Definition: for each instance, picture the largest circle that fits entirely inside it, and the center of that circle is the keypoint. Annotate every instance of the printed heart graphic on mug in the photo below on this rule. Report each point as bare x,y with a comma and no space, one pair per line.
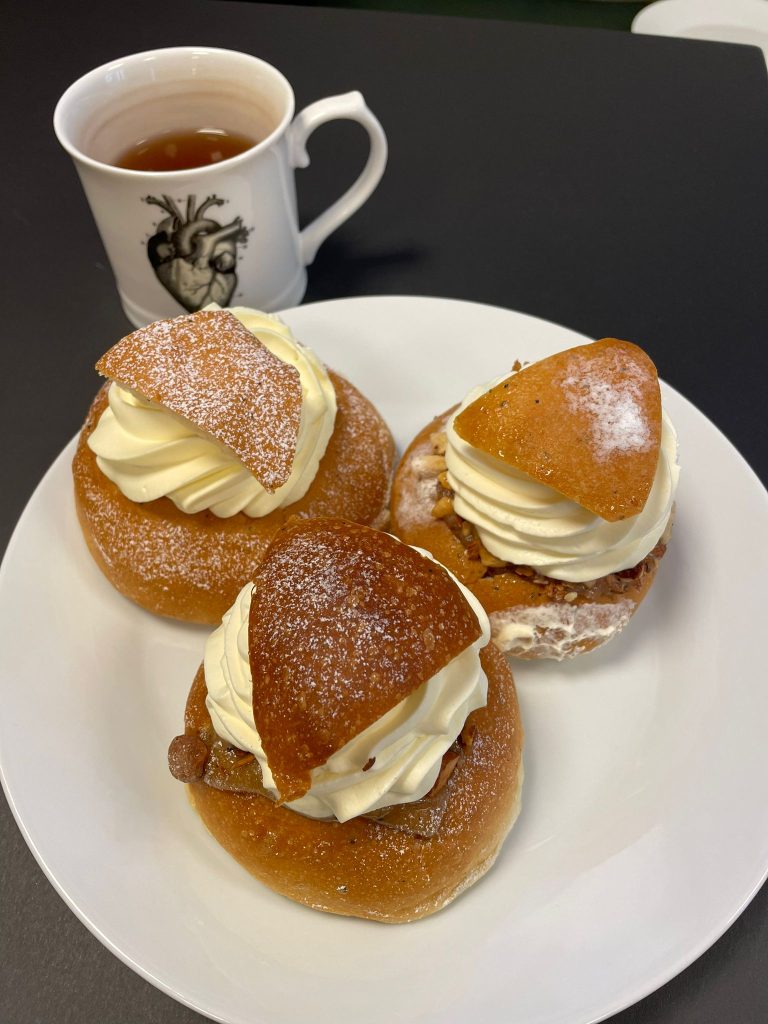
193,256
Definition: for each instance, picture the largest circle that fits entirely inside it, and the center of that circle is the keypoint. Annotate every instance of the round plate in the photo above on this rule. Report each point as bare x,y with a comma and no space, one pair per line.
724,21
643,832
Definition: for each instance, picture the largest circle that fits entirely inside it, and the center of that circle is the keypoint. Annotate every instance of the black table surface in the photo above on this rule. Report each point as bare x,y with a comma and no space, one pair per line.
612,183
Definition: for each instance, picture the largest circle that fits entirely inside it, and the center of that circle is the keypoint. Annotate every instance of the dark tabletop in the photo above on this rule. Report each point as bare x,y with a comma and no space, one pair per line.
613,183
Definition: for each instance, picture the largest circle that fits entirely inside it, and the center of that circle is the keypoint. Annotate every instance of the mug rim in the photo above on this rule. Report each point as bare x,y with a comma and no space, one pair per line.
77,154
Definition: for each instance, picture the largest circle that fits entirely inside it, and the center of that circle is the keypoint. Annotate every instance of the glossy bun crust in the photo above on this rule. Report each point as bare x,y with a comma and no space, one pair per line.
191,567
364,869
529,620
345,622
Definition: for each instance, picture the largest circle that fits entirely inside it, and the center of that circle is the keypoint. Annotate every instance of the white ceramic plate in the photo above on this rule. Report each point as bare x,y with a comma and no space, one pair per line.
643,832
724,21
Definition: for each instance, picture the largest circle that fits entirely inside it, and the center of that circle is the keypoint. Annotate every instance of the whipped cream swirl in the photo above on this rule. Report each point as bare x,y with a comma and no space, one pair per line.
150,452
528,523
408,742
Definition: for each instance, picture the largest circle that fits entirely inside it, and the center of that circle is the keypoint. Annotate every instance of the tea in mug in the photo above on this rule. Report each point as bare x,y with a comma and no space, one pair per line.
184,149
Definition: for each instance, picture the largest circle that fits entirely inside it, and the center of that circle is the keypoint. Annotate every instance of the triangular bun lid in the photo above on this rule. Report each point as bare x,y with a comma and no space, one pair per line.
211,370
586,422
345,623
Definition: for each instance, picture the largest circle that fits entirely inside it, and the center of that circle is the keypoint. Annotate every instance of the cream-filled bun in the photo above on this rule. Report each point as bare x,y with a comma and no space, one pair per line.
549,493
352,738
212,431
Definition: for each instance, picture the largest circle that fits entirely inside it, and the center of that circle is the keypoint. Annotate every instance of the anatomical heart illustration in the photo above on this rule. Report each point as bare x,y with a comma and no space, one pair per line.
193,256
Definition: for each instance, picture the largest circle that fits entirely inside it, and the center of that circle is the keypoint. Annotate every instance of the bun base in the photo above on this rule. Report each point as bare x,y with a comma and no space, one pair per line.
191,567
360,868
527,621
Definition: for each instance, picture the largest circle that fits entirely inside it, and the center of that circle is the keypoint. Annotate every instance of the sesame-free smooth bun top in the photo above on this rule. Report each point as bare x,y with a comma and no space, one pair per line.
345,623
569,466
393,762
217,410
585,422
208,368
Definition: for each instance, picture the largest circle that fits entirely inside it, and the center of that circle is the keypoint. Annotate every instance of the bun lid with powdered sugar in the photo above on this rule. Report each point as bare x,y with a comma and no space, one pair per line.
586,422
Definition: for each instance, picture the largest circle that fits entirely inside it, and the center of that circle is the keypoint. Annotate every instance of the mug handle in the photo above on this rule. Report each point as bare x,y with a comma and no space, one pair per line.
349,106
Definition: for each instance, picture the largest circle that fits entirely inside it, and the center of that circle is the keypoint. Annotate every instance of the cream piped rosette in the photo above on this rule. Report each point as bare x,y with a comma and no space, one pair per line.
150,451
394,760
524,522
606,408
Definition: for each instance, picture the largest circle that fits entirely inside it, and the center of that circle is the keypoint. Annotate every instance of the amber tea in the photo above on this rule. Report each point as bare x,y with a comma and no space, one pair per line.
184,149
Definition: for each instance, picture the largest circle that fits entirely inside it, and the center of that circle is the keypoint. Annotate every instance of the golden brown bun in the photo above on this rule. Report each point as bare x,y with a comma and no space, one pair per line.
191,567
528,620
363,869
325,595
542,420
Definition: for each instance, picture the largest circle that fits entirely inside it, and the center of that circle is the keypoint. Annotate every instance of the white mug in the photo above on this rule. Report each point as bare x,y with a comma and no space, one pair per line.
227,232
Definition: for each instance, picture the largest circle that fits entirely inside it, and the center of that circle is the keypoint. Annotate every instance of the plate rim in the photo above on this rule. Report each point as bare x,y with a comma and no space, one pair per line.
673,968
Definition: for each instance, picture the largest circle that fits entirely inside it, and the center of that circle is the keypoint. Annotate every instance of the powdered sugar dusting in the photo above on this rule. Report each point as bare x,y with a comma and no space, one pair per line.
556,630
418,490
609,391
344,624
209,369
192,566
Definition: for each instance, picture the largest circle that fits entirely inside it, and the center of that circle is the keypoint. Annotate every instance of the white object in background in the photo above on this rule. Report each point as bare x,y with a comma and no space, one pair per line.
723,21
227,232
